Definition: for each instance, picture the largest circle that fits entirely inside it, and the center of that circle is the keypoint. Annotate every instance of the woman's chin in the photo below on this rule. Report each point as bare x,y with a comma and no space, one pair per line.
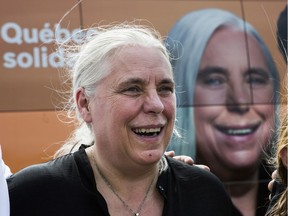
242,160
152,156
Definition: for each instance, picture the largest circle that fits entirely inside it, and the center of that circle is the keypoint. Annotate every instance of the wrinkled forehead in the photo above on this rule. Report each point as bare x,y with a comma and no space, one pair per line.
142,58
137,62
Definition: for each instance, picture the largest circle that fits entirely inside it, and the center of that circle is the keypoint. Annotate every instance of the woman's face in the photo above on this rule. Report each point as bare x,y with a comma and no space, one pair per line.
133,112
234,114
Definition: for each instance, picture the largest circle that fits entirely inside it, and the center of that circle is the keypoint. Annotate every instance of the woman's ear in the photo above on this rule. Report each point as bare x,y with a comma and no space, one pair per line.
283,155
83,105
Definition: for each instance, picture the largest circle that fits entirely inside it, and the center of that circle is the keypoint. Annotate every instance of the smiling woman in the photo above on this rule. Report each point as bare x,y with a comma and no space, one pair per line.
227,87
123,93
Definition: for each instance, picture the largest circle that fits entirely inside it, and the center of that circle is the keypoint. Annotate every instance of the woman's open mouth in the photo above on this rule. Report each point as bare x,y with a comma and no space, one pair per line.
243,131
149,132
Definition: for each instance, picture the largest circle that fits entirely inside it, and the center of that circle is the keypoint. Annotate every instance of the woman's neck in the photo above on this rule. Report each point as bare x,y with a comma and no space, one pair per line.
243,193
244,197
241,185
127,194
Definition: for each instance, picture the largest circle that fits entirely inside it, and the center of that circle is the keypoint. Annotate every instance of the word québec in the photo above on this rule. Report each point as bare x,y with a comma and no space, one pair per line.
37,55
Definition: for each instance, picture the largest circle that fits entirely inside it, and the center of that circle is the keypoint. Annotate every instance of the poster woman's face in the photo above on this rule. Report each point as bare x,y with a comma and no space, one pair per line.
234,114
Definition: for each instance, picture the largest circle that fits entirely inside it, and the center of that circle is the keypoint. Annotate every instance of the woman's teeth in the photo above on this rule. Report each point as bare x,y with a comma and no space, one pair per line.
147,131
238,132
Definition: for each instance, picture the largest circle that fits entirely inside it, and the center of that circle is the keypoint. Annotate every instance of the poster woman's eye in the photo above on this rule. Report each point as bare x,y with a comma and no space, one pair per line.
258,78
212,80
212,77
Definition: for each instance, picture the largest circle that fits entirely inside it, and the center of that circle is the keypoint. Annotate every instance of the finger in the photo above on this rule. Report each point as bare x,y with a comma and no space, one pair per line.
270,185
185,159
202,167
270,197
170,153
274,174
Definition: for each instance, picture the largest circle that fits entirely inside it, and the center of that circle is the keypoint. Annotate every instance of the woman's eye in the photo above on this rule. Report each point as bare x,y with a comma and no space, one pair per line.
212,77
258,77
133,90
213,81
257,80
166,90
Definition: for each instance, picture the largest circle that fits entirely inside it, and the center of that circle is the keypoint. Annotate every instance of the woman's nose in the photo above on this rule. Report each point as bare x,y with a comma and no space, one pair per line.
153,103
239,99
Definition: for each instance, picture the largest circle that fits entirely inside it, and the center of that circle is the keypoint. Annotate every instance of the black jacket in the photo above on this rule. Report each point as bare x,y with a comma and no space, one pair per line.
66,187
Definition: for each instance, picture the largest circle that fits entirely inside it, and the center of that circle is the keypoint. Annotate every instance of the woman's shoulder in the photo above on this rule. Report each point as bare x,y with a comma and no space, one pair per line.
191,172
194,179
200,188
55,183
43,172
